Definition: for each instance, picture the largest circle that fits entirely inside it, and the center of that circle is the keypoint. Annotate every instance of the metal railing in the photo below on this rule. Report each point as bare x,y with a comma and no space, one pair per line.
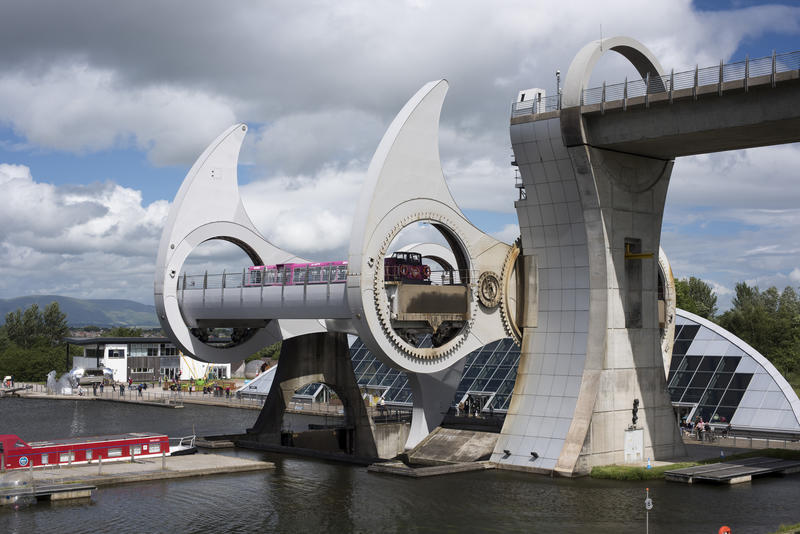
236,280
717,75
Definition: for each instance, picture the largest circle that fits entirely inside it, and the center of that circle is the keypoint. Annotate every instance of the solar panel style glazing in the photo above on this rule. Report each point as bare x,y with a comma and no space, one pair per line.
722,383
717,379
489,372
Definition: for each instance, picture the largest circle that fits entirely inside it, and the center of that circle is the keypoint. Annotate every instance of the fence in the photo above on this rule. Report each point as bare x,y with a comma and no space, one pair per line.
717,75
157,396
236,280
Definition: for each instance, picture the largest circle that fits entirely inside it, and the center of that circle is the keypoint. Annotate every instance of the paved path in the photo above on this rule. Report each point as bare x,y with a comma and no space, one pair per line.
146,470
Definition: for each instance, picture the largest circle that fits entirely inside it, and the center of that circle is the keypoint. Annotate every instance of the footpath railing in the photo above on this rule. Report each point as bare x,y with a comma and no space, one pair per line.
155,395
717,75
235,280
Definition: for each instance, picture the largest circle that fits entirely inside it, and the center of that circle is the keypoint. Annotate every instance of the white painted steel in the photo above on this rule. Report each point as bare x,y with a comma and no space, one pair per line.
405,184
208,206
580,70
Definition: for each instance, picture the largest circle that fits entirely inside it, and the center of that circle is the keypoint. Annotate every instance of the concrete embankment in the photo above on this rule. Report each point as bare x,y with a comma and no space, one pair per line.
149,469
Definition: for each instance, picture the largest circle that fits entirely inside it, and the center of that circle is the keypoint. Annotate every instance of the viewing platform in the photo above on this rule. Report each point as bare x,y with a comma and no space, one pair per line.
734,472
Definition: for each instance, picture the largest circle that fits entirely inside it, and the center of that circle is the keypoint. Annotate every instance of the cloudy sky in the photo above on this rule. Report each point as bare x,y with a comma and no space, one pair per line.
104,107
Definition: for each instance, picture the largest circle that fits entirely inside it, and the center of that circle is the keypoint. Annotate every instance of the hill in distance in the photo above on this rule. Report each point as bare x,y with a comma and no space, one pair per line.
83,312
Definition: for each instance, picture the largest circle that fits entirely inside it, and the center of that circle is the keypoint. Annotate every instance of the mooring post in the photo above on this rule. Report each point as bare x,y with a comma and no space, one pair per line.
99,465
163,461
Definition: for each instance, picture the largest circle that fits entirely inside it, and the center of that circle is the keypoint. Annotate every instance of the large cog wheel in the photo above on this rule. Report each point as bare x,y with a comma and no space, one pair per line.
506,313
382,306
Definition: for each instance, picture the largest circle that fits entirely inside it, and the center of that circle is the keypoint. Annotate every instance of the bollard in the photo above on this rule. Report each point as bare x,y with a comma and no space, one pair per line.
163,461
99,465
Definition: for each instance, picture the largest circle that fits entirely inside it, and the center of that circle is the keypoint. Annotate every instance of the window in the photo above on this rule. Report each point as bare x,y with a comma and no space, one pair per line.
341,273
155,447
314,274
136,450
66,457
255,277
632,302
114,453
168,350
116,353
45,459
89,454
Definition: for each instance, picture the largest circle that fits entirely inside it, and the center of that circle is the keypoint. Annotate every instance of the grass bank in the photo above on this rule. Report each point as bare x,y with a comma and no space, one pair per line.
629,472
788,529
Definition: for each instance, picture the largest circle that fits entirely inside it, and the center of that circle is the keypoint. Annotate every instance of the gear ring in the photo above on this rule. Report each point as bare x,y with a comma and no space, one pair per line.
489,292
381,305
509,324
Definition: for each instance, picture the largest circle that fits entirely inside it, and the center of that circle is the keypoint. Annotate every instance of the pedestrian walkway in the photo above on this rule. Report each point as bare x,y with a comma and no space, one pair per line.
151,396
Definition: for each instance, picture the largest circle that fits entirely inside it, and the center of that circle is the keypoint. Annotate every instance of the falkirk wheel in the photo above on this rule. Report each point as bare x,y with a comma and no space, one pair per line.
562,291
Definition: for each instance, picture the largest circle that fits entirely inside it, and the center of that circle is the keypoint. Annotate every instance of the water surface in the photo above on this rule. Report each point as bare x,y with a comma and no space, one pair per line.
304,495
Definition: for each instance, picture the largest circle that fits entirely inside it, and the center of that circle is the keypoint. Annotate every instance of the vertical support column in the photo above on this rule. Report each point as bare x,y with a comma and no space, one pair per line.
596,344
324,358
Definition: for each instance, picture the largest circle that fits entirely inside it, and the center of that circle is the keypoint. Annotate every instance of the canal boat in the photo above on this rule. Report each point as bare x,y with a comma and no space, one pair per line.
18,454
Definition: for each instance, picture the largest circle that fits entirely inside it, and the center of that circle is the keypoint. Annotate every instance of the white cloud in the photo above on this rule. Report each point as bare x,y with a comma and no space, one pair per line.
508,234
319,87
78,108
80,240
305,215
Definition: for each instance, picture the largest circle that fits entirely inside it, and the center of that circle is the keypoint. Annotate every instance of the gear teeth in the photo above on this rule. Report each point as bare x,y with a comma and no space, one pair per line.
381,305
508,269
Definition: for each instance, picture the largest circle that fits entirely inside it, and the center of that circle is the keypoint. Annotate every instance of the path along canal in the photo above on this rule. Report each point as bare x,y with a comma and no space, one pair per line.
304,495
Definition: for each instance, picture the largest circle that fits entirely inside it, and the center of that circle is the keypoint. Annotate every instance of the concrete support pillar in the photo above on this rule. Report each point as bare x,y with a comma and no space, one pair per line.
432,395
590,227
323,358
589,224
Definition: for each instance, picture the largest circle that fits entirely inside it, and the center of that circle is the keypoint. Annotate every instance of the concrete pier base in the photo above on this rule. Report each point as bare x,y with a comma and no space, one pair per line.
323,358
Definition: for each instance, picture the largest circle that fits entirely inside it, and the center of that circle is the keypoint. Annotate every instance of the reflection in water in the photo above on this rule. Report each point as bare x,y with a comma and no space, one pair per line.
78,426
303,495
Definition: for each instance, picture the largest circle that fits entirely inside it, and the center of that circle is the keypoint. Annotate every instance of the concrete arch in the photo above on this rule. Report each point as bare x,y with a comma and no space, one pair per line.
580,70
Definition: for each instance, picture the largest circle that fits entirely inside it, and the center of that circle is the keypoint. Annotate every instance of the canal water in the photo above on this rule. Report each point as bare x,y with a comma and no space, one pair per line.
304,495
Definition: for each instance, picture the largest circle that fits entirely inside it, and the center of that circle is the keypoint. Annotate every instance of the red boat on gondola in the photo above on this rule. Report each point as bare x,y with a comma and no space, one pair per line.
17,454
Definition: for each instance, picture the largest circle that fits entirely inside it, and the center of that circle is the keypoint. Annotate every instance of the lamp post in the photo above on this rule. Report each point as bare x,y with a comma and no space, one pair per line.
558,87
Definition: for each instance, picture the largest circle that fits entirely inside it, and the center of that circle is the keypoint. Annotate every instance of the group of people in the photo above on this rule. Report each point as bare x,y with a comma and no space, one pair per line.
471,407
702,430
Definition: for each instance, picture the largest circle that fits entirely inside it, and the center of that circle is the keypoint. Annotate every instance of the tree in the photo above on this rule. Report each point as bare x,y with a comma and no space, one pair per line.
31,327
769,321
696,296
124,331
54,324
273,352
14,326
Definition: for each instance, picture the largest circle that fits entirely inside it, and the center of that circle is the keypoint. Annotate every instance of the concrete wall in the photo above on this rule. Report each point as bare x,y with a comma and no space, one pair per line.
596,344
390,438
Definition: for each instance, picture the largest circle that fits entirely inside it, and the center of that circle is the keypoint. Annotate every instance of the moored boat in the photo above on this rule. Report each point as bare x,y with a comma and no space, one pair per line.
18,454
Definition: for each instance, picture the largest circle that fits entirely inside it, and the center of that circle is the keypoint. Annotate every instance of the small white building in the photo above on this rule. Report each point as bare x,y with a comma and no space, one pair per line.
144,359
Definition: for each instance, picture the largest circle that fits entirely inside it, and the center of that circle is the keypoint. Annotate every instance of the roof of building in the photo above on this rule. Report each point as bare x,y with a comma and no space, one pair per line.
114,340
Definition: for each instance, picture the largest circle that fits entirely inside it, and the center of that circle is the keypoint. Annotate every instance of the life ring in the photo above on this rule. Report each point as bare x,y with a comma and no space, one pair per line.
426,271
415,272
404,271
